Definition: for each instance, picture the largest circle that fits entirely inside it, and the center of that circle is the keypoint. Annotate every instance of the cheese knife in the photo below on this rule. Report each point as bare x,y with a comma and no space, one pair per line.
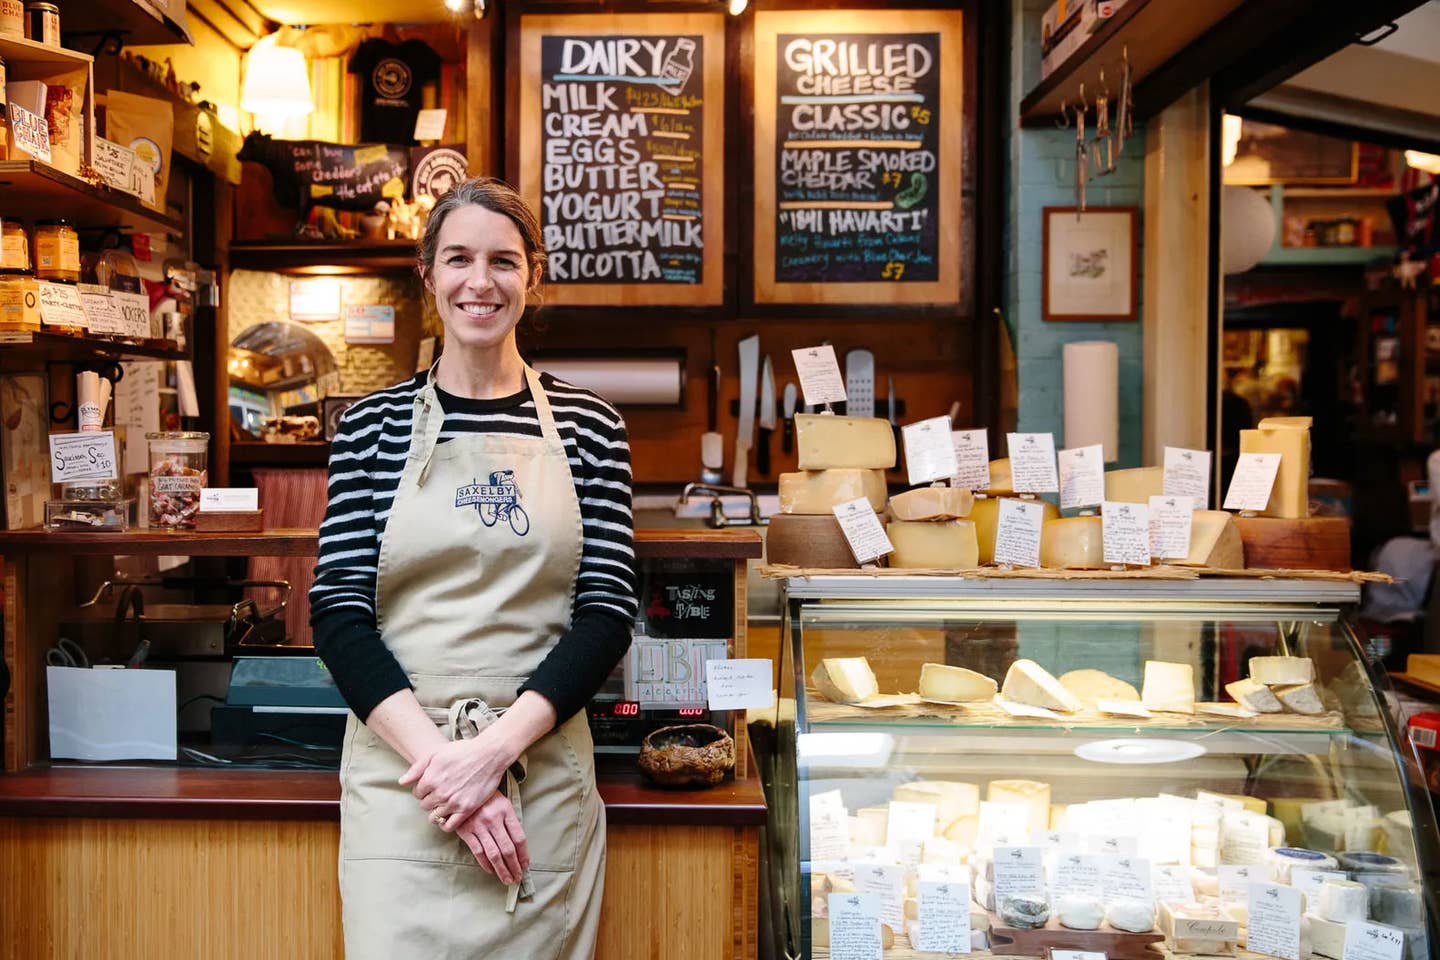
767,417
745,435
787,407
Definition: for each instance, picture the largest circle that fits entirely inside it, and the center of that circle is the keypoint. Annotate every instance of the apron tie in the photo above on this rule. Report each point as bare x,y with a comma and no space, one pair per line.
466,719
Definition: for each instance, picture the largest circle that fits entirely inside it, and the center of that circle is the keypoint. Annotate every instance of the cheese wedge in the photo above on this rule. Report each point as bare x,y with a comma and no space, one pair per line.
1028,682
1289,437
1123,708
939,681
820,491
816,542
1301,698
1233,710
1072,543
1282,671
1001,484
985,514
1169,687
1254,695
1134,486
930,503
953,799
1033,795
824,442
845,679
963,830
940,850
937,544
1214,542
870,826
1095,685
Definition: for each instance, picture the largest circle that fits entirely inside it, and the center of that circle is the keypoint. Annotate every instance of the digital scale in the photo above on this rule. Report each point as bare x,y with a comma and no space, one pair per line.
659,683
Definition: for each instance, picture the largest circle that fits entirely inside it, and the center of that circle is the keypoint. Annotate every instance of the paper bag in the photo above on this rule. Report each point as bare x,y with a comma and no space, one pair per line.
147,126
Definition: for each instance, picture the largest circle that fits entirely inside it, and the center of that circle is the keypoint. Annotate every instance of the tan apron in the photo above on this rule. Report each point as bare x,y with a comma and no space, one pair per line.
477,570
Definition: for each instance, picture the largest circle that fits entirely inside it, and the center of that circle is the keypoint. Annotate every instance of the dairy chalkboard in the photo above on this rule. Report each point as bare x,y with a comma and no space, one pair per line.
857,138
622,143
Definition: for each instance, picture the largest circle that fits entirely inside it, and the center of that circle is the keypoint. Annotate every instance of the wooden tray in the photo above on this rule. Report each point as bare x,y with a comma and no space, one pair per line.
1115,944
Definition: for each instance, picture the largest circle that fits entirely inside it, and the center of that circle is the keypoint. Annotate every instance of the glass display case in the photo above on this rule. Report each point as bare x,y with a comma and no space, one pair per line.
1118,763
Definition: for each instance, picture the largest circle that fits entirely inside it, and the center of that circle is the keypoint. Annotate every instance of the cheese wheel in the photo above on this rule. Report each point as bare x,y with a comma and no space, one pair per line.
932,503
985,514
1342,901
820,491
1093,686
938,544
824,441
1072,543
1137,485
808,541
1001,484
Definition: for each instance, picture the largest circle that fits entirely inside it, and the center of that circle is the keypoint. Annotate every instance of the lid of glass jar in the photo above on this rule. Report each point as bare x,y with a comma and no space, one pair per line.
178,435
54,222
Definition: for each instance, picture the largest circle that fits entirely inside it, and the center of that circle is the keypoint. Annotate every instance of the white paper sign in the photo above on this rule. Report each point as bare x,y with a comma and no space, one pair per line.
829,827
114,163
223,499
929,450
1244,837
30,132
972,459
862,530
1235,880
111,714
819,373
1017,532
61,306
1308,881
1274,925
1171,520
102,313
1077,955
430,125
886,881
1032,462
944,917
369,323
908,826
1253,479
1187,474
1172,882
1001,824
1113,844
738,684
134,312
1019,872
1078,874
1125,529
1127,877
1082,476
854,926
82,456
1373,941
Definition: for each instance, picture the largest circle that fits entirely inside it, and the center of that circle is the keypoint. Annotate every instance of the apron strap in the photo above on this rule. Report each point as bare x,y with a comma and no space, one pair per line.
542,405
426,420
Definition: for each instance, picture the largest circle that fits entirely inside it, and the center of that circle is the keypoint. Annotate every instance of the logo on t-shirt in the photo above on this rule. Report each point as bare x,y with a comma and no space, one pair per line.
391,78
495,501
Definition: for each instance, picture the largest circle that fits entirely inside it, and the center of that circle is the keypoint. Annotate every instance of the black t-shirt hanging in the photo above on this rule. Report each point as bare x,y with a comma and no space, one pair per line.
392,76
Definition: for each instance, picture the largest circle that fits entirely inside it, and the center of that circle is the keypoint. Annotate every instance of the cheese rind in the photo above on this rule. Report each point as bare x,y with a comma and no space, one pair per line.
1028,682
845,679
1001,483
985,514
1301,698
1255,695
1073,543
1169,687
1033,795
1215,542
1282,671
824,442
820,491
940,681
939,544
932,503
1290,496
808,541
1095,685
1136,485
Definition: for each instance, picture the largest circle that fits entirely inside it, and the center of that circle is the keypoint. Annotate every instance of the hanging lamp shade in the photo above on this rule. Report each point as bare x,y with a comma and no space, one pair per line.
277,80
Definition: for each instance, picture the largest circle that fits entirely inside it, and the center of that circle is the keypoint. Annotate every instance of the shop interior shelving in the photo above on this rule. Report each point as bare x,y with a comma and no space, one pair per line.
152,542
23,351
35,190
324,258
133,21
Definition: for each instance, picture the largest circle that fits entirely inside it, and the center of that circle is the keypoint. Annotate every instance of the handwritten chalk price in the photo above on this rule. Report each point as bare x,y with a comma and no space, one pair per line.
819,372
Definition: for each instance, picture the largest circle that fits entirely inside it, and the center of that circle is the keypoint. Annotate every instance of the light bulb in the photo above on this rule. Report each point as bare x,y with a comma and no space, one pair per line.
455,6
737,7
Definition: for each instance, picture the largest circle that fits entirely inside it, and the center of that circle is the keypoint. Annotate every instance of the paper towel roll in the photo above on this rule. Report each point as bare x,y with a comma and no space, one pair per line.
1092,396
622,381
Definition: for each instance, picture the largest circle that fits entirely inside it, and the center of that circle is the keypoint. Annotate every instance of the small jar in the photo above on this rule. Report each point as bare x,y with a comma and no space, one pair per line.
57,251
177,475
42,23
12,19
14,245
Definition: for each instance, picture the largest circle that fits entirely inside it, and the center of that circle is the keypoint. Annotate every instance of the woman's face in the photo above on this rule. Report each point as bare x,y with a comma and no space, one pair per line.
480,277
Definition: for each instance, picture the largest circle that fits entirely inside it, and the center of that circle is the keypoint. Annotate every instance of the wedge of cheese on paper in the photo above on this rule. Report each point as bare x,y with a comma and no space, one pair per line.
939,681
1092,686
1073,543
824,442
1214,542
845,679
1301,698
1169,687
1028,682
1254,695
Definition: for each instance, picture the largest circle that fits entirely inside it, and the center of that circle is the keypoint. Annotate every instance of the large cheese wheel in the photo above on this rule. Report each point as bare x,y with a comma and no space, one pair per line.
985,514
824,441
937,544
1073,543
1136,485
932,503
808,541
1001,483
818,492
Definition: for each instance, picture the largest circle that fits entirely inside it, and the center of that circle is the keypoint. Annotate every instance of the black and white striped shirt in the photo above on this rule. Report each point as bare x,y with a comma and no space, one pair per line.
367,458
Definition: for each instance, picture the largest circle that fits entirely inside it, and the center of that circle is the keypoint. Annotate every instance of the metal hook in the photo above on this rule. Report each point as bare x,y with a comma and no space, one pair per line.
1083,105
1064,121
1104,87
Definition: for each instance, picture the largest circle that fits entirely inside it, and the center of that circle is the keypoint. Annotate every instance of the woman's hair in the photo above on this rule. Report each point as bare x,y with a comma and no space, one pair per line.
496,196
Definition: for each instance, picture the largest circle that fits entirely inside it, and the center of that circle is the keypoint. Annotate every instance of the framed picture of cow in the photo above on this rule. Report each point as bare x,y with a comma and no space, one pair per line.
1089,267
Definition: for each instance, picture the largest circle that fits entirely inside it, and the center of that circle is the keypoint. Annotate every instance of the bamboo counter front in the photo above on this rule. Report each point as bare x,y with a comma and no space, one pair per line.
119,861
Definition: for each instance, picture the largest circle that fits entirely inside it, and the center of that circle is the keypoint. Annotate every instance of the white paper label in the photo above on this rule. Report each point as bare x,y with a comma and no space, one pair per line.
30,132
114,163
1127,878
369,323
1077,955
1001,824
1373,941
1187,474
1082,476
1019,872
101,311
1172,882
1308,881
134,313
1078,874
862,530
1032,462
1125,529
1113,844
315,299
1171,520
854,926
908,827
1017,532
61,306
430,125
829,827
929,450
221,499
819,373
887,883
1244,837
1274,924
738,684
1235,881
944,918
1253,480
972,459
82,456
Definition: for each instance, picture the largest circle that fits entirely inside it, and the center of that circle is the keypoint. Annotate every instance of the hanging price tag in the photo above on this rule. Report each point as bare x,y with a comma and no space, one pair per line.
1187,474
972,459
1253,479
819,373
929,450
1082,477
862,530
1032,462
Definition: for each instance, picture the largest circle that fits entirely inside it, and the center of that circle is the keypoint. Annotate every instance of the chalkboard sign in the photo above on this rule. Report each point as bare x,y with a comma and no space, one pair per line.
311,172
857,158
620,147
687,602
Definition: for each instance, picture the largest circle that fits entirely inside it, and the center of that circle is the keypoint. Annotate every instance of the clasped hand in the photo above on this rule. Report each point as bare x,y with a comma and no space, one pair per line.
456,785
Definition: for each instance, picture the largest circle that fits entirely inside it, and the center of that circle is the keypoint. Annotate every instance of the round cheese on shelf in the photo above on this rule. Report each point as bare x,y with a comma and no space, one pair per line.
1072,543
1092,686
818,492
1027,913
816,542
1343,900
1080,912
1281,860
937,544
1136,485
1132,916
932,503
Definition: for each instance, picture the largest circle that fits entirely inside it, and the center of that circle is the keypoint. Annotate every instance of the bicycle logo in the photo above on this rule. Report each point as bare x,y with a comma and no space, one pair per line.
496,501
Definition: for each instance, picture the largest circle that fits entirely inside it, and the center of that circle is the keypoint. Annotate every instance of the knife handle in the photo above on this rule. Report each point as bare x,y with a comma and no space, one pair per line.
762,452
712,400
787,436
742,463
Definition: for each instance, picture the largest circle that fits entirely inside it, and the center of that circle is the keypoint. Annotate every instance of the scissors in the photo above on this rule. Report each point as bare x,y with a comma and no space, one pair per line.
66,653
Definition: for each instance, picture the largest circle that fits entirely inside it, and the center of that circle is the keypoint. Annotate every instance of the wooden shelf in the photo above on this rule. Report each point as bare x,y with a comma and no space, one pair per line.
301,454
1338,193
30,350
742,543
17,51
35,191
134,21
1325,256
324,258
149,543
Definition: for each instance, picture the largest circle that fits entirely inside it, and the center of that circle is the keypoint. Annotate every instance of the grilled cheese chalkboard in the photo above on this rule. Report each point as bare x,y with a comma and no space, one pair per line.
625,143
339,175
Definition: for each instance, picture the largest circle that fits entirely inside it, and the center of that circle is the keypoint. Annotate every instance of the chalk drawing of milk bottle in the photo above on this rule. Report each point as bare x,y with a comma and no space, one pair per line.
678,65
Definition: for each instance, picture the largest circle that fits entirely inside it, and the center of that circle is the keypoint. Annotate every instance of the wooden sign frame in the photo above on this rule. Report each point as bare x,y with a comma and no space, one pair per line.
711,173
769,25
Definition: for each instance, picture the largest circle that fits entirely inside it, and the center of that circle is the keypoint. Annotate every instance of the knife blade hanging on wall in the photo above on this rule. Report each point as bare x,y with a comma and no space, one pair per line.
745,436
767,417
859,383
712,444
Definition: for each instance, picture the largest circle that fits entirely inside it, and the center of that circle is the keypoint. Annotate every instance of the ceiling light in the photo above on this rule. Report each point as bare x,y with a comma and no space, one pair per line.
1428,162
277,80
1230,137
737,7
455,6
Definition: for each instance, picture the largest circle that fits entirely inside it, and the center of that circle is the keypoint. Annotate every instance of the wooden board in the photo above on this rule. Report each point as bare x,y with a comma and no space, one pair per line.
1313,543
1115,944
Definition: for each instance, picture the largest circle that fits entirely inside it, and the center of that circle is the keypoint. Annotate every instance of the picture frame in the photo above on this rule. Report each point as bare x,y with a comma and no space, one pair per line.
1090,264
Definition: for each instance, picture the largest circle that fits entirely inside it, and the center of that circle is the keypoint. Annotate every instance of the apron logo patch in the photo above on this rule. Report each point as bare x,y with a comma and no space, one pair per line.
495,501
